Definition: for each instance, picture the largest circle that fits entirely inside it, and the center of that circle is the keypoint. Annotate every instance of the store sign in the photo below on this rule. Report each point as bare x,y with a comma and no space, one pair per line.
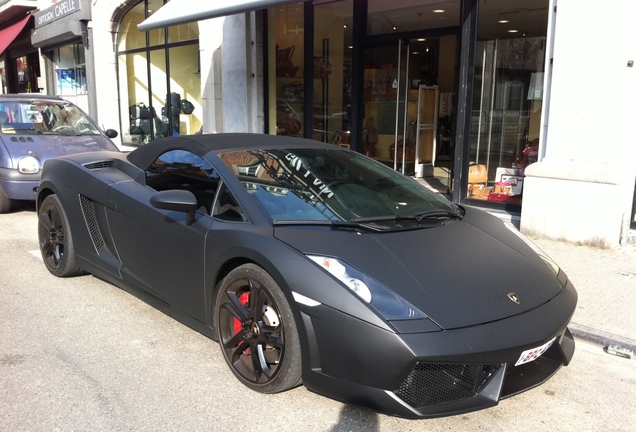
58,10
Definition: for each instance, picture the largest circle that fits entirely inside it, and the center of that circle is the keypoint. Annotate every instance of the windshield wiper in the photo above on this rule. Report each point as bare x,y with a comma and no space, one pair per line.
436,214
366,224
433,214
378,223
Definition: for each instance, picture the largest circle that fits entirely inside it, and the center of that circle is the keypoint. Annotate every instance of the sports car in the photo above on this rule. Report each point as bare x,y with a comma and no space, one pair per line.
313,264
33,128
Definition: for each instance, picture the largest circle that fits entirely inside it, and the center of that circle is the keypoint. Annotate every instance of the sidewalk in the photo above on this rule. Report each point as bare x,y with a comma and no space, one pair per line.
605,280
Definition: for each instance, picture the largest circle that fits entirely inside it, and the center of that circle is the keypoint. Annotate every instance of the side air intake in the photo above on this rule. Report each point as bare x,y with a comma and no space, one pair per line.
100,165
88,210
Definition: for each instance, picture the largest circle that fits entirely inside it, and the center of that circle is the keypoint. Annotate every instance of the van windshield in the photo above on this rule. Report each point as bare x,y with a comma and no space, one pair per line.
45,117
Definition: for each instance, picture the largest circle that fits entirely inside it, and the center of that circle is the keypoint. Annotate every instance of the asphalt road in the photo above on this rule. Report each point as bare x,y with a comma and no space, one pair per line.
80,354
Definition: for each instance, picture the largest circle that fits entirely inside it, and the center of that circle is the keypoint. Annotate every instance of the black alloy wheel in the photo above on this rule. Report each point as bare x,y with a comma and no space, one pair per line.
56,242
257,331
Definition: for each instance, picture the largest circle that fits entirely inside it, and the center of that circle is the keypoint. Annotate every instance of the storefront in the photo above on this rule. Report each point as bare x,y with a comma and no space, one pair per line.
383,79
457,92
159,77
62,35
19,60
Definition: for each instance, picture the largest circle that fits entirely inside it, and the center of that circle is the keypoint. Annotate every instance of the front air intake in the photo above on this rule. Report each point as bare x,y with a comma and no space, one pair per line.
434,383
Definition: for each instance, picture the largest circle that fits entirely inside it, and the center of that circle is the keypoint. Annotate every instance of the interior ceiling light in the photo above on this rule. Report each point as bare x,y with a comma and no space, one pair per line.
439,11
513,31
503,21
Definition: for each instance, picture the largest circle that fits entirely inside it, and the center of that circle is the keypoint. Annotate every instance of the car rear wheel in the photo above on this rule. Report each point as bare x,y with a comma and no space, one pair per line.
5,202
257,331
56,241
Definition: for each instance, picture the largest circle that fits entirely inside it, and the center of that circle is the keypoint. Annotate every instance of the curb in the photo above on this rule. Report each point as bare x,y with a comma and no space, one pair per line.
601,337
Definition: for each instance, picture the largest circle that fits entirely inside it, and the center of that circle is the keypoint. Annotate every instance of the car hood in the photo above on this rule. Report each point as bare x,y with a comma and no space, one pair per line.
459,274
45,147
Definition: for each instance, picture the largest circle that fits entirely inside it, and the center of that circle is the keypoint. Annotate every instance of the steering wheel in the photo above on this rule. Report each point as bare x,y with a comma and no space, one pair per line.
63,128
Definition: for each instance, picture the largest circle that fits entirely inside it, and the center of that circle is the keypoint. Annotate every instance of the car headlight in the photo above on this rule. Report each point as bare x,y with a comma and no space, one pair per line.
28,165
560,275
390,305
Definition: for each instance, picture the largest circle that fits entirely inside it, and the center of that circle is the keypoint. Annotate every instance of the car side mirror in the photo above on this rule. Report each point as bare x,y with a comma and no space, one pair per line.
176,200
111,133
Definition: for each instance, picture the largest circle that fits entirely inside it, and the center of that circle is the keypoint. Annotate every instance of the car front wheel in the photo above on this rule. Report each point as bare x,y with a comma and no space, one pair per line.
257,331
5,202
56,241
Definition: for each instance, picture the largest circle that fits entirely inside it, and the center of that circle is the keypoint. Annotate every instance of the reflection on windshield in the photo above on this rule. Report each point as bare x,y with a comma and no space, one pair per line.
330,185
45,117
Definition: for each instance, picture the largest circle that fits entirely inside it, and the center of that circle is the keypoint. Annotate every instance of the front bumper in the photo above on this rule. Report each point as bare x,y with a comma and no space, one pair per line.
434,374
432,389
19,186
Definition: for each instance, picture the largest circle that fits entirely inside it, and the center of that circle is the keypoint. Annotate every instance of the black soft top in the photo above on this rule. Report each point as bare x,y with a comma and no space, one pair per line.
203,144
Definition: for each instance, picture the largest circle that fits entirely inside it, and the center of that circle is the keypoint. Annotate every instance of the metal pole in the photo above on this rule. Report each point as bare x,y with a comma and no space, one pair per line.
406,105
397,105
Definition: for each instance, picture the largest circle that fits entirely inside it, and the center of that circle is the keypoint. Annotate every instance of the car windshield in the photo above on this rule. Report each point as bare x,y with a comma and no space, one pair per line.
338,186
44,117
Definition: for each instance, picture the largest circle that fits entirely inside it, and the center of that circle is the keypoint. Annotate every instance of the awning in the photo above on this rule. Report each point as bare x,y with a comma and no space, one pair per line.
184,11
8,34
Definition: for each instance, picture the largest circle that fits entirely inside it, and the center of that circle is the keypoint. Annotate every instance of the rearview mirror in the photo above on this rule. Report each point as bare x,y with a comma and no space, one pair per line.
176,200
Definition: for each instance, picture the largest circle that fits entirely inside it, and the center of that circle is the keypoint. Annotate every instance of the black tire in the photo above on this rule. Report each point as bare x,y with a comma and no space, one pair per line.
253,316
5,203
56,240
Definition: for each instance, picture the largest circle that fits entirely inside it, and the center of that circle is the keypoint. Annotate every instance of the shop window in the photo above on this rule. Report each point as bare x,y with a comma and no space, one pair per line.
287,74
129,37
332,72
20,74
159,78
24,72
70,71
399,16
3,78
328,81
507,102
183,32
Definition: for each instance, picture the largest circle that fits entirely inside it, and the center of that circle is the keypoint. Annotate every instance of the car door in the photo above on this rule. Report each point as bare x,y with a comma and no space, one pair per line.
159,251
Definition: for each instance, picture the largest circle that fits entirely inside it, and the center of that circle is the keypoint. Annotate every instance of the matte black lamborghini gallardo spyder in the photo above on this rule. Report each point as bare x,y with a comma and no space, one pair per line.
313,264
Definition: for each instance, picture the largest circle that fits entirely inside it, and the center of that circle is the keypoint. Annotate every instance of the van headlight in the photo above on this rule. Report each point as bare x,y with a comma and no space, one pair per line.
28,165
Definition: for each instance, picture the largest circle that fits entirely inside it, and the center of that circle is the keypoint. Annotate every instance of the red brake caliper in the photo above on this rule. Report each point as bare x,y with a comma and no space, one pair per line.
244,298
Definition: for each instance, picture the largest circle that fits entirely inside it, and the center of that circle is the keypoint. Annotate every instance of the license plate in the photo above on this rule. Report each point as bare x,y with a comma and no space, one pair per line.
534,353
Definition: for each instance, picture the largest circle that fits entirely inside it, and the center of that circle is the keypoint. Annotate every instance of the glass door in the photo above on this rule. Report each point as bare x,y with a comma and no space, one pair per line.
400,106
